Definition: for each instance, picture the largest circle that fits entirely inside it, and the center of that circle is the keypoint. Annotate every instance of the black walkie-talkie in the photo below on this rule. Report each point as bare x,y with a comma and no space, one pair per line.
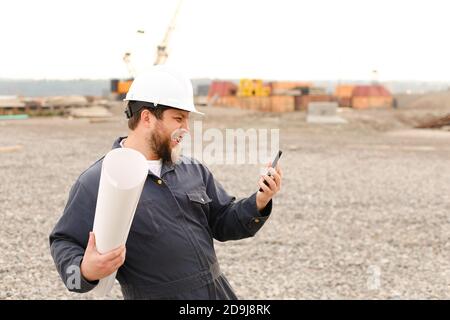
274,164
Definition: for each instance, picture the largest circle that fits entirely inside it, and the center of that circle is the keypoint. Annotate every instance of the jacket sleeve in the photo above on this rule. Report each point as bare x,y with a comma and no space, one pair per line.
230,219
69,238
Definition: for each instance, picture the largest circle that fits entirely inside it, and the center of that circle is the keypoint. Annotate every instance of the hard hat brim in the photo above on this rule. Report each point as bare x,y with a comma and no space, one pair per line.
149,104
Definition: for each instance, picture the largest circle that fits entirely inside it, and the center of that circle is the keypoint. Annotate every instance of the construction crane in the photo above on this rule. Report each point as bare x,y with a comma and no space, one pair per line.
120,87
161,52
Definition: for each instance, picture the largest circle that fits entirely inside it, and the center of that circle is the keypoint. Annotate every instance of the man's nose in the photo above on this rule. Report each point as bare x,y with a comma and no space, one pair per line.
186,125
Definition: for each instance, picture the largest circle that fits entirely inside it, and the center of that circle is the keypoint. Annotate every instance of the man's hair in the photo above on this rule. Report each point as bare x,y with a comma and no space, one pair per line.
139,106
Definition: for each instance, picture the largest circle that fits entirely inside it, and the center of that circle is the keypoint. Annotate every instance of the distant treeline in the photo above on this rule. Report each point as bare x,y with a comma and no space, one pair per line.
36,88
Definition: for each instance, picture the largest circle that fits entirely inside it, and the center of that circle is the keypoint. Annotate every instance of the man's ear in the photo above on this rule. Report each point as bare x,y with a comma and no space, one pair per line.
147,118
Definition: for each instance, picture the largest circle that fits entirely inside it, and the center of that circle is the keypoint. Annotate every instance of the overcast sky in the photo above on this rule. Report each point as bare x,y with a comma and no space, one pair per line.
270,39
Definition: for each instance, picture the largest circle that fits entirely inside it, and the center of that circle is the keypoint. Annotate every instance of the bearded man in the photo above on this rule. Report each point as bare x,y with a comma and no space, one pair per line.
169,253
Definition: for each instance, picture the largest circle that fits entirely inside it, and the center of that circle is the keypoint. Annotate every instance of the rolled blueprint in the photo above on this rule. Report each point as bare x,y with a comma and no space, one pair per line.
122,179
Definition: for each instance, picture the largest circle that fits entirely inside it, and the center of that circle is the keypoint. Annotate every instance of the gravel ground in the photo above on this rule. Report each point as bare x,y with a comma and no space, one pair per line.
364,212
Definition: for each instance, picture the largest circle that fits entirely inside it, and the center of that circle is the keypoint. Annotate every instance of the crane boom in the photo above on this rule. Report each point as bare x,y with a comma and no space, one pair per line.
161,51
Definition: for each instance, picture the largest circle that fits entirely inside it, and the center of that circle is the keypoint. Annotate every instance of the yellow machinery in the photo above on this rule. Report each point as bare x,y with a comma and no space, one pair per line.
252,88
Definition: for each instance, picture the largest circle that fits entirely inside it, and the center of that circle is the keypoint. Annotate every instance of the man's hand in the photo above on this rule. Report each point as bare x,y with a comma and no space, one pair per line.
274,185
96,266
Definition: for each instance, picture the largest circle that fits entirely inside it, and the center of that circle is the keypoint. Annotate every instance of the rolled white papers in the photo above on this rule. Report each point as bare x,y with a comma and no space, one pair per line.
122,179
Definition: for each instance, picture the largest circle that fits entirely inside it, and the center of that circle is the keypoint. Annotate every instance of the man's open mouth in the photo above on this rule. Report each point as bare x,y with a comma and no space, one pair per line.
177,135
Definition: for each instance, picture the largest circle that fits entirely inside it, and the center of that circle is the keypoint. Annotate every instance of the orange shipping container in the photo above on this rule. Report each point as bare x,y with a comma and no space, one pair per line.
344,91
288,85
371,96
372,102
263,104
282,104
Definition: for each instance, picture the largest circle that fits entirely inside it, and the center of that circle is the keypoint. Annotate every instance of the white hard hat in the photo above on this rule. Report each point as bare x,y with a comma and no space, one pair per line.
162,85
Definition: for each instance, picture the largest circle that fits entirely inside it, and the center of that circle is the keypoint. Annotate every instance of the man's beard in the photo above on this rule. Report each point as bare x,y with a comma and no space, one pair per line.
160,145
